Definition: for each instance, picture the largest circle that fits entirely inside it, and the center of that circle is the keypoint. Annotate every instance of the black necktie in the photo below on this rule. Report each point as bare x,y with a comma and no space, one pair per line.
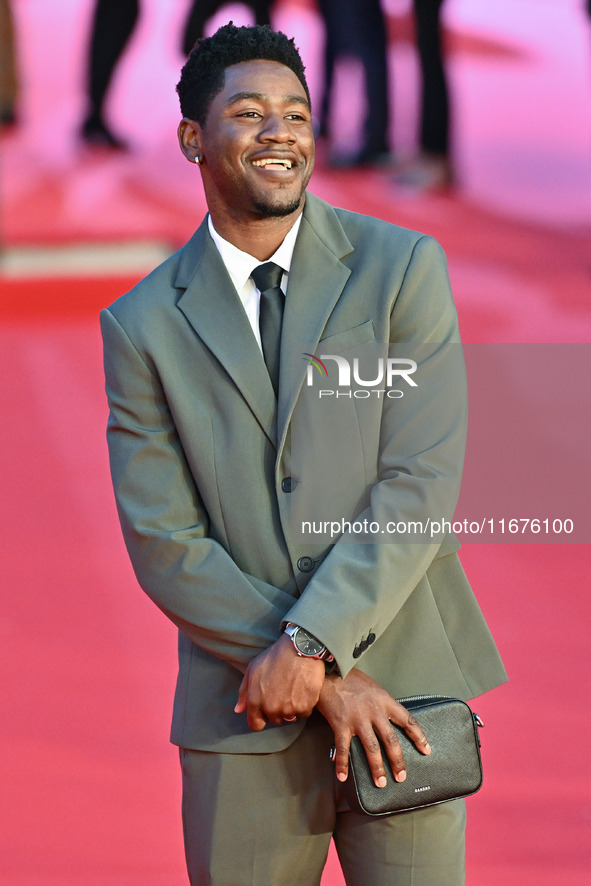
267,278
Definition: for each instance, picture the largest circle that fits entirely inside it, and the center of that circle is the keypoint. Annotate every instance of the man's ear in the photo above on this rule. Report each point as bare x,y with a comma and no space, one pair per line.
189,135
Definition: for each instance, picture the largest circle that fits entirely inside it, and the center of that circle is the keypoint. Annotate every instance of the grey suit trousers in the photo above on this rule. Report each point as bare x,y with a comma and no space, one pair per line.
267,820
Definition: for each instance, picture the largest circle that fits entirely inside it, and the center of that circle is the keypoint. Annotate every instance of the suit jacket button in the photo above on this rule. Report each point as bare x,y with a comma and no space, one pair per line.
287,484
363,645
305,564
357,652
371,638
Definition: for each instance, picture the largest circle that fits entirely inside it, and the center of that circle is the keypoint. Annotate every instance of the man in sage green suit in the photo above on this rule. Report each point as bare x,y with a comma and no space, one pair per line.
214,475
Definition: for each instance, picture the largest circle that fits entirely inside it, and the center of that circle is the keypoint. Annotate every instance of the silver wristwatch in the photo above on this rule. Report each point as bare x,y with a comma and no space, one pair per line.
306,644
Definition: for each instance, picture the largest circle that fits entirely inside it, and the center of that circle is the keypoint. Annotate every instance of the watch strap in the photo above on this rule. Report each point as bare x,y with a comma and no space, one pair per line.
292,629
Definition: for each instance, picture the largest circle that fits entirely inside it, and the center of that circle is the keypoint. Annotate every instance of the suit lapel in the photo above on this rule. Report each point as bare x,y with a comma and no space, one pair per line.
316,280
212,306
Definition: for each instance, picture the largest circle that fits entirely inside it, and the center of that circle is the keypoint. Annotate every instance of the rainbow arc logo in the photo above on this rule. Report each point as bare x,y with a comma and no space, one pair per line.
316,363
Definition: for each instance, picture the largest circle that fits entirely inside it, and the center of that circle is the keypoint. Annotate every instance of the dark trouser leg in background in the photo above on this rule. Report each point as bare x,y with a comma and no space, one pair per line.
112,26
202,10
434,134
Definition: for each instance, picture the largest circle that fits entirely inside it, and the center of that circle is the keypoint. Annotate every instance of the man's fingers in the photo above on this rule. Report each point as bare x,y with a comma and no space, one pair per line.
391,742
394,751
404,719
286,713
254,715
416,734
341,756
256,721
373,752
240,705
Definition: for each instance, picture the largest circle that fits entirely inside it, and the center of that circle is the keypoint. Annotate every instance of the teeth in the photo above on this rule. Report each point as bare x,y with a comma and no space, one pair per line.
273,161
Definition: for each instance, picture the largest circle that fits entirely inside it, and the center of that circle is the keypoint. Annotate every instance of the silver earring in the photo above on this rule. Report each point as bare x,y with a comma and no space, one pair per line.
198,160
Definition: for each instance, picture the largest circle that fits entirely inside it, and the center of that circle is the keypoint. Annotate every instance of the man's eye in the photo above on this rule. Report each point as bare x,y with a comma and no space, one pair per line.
249,114
296,117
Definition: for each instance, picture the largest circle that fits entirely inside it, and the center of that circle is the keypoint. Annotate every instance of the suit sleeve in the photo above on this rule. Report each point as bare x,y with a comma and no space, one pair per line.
189,575
361,586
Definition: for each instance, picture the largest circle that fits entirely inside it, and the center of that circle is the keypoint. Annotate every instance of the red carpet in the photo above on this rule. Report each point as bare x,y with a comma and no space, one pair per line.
90,786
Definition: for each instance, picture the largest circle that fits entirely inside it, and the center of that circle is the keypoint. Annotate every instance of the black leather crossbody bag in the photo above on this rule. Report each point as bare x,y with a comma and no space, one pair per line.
453,769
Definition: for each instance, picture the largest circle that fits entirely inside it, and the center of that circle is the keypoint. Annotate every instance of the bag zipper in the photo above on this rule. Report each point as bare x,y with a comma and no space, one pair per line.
421,698
477,718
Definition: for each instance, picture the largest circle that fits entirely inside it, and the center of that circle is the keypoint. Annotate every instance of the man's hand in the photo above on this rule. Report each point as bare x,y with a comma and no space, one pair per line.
280,685
359,706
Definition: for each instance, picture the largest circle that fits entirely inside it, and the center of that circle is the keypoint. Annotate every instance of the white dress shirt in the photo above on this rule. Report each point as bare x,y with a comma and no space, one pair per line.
240,266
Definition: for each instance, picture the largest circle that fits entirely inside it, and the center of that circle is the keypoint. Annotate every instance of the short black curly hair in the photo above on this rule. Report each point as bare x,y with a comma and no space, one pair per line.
203,74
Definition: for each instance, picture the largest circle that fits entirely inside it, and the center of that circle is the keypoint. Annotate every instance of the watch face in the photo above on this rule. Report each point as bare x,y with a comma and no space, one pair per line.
307,644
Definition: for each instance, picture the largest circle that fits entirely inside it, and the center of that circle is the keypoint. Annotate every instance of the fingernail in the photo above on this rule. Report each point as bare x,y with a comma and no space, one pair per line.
427,748
342,776
382,781
401,776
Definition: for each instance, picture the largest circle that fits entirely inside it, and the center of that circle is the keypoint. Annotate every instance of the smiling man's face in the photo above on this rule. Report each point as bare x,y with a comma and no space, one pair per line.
257,145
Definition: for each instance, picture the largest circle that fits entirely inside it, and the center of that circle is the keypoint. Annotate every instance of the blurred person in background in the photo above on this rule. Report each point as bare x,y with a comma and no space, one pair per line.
8,70
431,168
201,11
357,29
113,23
